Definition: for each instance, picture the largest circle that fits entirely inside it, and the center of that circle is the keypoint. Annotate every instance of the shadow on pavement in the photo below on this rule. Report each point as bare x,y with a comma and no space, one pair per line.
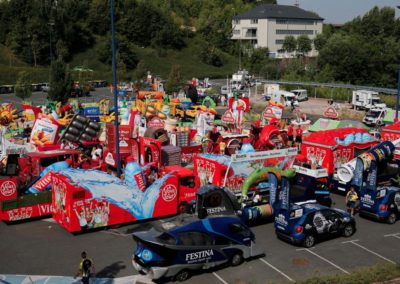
111,271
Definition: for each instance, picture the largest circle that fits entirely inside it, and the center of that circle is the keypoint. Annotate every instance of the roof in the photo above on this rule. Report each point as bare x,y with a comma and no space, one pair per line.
268,11
394,126
328,137
328,124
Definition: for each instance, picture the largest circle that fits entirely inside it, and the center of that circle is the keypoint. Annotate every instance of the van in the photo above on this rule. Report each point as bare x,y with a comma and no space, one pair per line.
301,95
283,97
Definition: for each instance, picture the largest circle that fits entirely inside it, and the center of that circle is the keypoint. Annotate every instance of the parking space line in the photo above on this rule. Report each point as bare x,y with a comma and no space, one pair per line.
370,251
328,261
396,235
277,270
219,278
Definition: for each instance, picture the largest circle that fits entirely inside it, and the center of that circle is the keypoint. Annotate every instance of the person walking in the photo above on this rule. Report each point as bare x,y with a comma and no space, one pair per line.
290,131
351,199
86,269
299,137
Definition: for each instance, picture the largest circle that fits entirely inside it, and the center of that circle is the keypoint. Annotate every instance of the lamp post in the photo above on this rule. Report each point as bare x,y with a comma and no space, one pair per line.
114,71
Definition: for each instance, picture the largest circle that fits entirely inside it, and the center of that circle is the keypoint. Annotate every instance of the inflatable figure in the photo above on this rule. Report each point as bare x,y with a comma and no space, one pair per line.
7,114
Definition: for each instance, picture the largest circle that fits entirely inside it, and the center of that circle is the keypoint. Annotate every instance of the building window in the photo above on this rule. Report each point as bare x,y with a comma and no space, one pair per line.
294,32
294,22
236,32
281,22
236,22
254,21
279,41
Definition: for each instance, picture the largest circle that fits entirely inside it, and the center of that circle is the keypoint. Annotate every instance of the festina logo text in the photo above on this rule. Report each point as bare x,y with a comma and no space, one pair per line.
216,210
199,254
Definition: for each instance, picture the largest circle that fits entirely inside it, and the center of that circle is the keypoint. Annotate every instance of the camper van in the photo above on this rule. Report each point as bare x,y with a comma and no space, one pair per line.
283,97
301,95
364,99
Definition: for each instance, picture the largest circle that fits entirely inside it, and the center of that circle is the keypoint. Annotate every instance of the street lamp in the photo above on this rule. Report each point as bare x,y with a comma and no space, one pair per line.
51,24
114,71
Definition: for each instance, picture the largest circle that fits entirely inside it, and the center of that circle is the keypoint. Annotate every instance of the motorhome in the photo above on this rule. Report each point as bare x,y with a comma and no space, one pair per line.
301,94
364,99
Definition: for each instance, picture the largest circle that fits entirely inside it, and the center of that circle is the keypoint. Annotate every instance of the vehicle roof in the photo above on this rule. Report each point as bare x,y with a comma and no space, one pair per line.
180,171
298,90
284,93
53,153
328,137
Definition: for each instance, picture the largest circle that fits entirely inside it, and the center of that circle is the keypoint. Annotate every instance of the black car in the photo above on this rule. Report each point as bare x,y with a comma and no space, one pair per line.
310,222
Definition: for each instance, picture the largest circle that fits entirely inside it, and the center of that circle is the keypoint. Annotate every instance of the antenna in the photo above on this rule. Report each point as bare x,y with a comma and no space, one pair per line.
297,3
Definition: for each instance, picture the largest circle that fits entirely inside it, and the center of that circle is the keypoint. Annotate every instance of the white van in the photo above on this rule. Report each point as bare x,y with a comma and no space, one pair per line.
283,97
301,94
374,117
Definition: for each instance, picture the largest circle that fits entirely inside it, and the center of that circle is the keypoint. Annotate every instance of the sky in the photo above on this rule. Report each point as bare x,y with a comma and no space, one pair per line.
341,11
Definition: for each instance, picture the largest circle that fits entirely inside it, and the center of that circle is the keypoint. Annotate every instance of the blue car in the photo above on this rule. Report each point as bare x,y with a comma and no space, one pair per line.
179,246
308,223
381,204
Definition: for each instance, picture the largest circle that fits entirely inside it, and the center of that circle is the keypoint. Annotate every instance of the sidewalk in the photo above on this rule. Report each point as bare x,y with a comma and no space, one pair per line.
44,279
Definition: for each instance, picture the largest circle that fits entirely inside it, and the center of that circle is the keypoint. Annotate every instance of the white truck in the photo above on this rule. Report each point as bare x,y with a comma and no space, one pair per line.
240,79
364,99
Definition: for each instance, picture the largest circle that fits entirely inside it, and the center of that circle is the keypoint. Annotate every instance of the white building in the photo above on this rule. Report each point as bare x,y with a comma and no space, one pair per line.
267,26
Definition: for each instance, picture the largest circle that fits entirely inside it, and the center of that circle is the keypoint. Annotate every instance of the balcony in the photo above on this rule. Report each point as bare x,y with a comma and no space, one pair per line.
251,34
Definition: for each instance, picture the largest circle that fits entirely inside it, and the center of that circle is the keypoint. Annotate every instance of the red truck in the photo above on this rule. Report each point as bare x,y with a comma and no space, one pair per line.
19,174
84,201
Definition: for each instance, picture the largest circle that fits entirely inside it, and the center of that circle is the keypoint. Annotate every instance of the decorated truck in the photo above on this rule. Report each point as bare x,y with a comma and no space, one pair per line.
252,181
374,174
330,149
87,199
21,173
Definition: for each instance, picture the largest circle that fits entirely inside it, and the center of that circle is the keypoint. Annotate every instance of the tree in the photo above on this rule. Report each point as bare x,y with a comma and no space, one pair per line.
258,58
303,45
140,71
174,79
23,88
289,44
35,45
61,50
320,41
60,82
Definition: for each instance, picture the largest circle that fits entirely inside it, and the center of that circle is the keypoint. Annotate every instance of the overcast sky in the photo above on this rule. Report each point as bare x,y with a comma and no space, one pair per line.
341,11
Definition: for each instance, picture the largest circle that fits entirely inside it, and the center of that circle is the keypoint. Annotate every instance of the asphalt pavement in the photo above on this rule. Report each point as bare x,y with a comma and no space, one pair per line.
44,248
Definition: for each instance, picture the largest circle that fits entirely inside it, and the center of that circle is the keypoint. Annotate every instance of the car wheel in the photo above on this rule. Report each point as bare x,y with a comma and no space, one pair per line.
182,275
392,218
348,230
237,259
309,241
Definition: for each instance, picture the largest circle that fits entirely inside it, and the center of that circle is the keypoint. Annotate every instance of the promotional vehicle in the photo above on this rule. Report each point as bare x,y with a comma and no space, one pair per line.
374,117
308,223
364,99
371,173
283,97
177,247
331,149
23,172
87,199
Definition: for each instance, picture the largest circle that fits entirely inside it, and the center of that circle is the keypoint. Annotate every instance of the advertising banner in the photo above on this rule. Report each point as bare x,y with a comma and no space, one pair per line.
372,176
358,173
44,131
284,194
273,181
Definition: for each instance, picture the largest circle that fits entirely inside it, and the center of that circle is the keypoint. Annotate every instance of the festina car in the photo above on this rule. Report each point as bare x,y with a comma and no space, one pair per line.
381,204
311,222
177,247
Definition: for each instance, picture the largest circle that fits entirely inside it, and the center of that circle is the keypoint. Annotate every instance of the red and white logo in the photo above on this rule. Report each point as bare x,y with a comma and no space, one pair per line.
169,192
8,188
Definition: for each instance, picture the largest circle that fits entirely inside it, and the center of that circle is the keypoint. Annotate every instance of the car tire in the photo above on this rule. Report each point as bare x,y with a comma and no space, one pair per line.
309,241
237,259
348,230
182,275
392,218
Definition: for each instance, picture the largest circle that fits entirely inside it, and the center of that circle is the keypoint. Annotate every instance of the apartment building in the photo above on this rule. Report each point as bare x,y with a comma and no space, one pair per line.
267,26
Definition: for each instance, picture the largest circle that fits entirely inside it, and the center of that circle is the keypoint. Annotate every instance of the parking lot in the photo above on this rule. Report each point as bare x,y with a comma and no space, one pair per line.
43,248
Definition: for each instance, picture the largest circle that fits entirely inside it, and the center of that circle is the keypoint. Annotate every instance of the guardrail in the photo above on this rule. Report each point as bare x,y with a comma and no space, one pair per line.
332,85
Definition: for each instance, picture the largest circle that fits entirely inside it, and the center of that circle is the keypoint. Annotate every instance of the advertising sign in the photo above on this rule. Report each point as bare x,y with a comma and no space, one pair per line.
358,173
262,155
156,122
284,193
372,176
44,131
331,112
273,181
227,117
272,112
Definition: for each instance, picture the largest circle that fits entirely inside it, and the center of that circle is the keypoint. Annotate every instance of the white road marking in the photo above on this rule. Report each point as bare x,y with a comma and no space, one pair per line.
396,235
370,251
277,270
328,261
220,278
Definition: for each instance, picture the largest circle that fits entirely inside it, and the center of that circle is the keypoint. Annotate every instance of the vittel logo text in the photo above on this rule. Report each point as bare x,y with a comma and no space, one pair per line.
280,219
367,199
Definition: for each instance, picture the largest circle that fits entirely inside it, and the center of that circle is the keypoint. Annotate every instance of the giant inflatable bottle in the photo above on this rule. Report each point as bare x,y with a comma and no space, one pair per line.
134,176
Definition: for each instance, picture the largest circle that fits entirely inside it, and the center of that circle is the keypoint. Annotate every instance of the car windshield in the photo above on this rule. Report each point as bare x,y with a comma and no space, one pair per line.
376,101
374,114
166,238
